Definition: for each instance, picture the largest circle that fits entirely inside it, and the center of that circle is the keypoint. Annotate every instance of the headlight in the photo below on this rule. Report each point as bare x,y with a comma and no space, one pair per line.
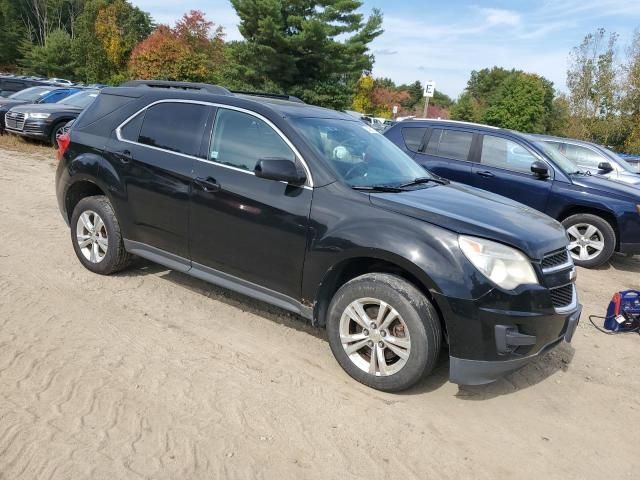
505,266
39,116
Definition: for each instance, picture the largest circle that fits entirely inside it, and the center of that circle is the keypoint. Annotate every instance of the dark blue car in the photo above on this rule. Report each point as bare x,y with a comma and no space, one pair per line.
601,216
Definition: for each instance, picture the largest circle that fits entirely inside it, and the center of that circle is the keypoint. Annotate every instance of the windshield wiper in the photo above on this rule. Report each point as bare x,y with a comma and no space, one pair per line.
420,180
378,188
581,172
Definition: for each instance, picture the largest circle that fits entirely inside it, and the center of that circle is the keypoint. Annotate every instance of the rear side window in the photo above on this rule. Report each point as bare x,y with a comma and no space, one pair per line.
583,156
453,144
131,131
240,140
413,137
502,153
178,127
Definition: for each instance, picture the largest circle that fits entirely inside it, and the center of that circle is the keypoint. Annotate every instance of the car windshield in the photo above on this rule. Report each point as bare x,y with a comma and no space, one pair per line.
31,94
80,99
620,161
361,156
562,162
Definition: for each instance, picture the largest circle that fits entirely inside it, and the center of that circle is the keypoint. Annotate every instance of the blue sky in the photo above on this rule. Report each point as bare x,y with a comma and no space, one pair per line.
445,40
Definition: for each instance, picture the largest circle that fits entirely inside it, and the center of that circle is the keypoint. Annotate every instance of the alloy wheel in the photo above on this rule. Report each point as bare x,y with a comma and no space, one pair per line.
586,241
375,337
92,237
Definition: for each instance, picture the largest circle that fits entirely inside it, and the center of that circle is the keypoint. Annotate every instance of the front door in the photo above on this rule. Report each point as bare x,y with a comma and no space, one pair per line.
505,168
242,225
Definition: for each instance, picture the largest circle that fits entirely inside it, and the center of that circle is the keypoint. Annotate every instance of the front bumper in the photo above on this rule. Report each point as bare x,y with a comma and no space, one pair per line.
478,372
32,129
500,332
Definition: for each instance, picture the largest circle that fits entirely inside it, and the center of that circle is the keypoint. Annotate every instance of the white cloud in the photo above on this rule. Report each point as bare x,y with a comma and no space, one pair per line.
499,16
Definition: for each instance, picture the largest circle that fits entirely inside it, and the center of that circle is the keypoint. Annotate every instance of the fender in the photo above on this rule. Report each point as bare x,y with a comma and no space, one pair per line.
84,168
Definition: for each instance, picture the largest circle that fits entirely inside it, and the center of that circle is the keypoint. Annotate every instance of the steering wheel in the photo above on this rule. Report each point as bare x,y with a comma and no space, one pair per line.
358,166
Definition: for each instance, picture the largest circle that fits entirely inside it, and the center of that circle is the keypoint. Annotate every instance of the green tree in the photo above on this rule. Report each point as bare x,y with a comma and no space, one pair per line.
519,104
51,59
466,108
313,49
12,32
106,33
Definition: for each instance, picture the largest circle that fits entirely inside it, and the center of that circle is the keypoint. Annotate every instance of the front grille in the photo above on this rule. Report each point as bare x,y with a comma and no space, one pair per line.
14,120
562,296
555,259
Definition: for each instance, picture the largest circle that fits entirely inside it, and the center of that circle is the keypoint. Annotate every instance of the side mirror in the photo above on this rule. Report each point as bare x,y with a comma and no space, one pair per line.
605,167
279,169
540,169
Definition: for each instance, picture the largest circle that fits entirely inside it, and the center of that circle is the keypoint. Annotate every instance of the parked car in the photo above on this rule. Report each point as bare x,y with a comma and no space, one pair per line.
61,81
309,210
12,84
594,158
35,95
601,216
45,122
633,160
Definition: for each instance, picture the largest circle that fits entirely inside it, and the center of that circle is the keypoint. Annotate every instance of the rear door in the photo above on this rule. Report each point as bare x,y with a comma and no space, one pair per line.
504,168
154,157
447,152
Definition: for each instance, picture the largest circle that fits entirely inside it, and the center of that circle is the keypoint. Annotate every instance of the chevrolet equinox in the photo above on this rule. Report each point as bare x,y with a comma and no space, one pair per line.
312,211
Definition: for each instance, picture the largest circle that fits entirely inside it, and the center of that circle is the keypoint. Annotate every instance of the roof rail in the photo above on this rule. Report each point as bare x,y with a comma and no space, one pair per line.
290,98
446,120
177,85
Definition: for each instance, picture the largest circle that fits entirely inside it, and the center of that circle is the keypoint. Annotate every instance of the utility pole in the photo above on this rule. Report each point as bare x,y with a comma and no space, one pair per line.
429,89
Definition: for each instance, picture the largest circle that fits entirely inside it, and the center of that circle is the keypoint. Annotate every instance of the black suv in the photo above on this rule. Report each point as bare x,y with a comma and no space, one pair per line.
310,210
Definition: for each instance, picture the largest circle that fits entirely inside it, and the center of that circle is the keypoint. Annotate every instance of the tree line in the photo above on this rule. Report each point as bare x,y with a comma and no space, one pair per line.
318,51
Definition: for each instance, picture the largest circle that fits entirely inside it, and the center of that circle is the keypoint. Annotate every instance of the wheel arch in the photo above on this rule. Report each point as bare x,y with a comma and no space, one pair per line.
352,267
81,188
604,214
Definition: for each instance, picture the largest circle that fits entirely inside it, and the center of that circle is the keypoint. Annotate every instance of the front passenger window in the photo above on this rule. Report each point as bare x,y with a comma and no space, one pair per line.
240,140
502,153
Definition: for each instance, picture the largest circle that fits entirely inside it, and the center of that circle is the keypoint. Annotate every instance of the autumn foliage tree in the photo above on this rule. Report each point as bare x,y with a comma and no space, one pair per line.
191,50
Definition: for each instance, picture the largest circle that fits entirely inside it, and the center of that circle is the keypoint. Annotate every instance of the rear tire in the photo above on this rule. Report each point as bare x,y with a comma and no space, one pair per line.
592,239
405,338
96,236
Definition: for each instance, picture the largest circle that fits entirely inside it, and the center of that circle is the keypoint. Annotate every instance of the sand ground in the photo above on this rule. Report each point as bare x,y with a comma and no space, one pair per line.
153,374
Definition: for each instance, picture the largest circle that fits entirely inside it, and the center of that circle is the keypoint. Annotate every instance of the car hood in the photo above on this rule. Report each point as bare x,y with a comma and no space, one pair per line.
608,186
471,211
47,108
7,103
630,178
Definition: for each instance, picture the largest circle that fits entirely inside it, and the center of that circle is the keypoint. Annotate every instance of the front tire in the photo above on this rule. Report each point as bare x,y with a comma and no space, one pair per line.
592,239
383,331
55,131
96,236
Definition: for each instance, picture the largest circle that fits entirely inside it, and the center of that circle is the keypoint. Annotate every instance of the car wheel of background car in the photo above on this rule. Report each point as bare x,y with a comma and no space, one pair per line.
55,132
592,240
96,237
383,331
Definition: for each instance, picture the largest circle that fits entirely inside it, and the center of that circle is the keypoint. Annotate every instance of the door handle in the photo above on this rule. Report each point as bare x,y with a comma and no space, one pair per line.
208,184
125,157
486,174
